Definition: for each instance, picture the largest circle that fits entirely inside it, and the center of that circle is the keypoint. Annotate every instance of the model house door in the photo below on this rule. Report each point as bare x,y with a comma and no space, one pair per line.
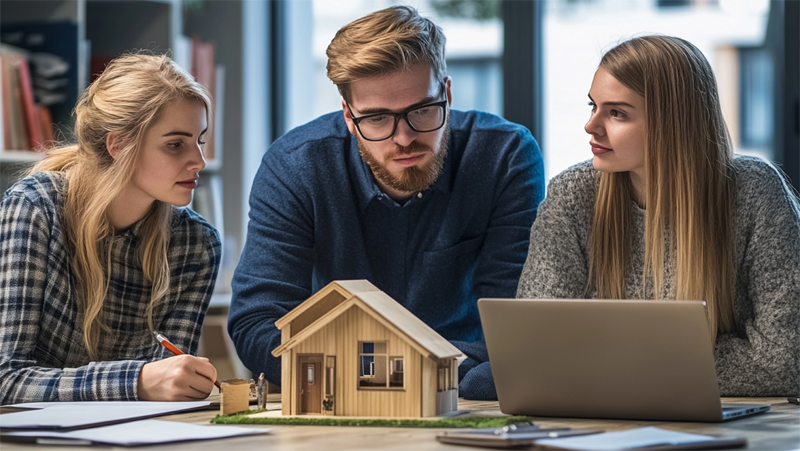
310,384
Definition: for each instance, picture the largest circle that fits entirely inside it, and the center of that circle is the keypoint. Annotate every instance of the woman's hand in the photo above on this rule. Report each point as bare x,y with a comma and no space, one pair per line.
178,378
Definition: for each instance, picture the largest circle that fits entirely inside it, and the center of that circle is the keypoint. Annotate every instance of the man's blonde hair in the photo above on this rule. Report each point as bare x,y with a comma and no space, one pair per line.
382,43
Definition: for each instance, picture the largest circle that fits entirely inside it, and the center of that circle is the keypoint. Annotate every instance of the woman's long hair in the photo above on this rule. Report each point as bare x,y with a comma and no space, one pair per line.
126,98
689,181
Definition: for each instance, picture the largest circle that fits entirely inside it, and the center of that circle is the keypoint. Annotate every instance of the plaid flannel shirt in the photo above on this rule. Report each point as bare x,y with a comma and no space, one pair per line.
42,353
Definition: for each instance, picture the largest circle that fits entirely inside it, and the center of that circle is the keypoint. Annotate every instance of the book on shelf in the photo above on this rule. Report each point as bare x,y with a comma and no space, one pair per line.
46,122
13,121
182,52
97,64
26,125
204,71
219,116
32,117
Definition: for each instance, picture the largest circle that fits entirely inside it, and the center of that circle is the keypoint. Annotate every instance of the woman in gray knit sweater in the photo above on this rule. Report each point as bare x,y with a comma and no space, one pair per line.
665,211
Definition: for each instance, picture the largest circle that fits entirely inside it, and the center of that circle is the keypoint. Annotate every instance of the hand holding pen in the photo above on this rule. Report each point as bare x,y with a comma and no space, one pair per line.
180,378
173,349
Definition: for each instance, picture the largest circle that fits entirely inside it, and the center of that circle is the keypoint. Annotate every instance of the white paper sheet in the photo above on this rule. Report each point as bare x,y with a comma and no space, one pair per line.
65,415
145,432
629,439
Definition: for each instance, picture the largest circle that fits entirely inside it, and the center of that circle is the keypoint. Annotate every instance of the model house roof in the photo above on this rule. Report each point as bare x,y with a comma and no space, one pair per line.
341,295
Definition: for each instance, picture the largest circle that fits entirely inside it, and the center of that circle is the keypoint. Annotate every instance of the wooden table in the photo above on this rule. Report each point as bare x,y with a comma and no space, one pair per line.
778,429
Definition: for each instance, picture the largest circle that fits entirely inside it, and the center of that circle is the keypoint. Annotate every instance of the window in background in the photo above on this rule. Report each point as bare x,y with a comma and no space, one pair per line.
578,32
756,115
474,47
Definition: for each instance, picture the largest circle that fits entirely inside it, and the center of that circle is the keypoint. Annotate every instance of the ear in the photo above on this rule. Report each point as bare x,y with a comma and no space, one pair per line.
447,83
348,119
112,145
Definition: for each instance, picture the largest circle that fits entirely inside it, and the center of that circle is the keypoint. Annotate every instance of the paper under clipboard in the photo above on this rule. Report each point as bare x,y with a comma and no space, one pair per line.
137,433
645,438
77,415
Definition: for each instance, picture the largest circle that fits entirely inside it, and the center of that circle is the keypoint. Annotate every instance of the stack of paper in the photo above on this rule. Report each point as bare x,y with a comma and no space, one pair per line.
109,423
74,415
145,432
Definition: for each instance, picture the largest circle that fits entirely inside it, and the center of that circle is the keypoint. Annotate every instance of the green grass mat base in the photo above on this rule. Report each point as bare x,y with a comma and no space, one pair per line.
468,422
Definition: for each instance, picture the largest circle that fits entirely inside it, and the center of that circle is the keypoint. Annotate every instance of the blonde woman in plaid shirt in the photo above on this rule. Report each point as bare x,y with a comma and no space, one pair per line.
95,256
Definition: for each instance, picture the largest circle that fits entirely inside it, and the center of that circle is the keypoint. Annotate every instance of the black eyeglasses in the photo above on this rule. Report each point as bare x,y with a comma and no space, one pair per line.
421,119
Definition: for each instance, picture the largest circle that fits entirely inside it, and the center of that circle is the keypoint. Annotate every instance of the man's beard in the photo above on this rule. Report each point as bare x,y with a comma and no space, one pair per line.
413,178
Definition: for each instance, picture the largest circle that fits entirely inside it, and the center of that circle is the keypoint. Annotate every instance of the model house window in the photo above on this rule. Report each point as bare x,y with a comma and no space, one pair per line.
310,374
396,372
376,368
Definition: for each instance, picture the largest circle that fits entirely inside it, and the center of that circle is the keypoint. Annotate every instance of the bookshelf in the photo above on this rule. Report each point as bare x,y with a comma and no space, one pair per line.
89,33
98,30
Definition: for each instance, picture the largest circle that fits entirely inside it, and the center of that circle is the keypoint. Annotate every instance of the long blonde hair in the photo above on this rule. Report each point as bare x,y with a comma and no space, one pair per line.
689,181
126,98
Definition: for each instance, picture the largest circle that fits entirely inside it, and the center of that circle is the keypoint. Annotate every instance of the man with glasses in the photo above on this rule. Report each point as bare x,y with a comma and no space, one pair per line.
431,205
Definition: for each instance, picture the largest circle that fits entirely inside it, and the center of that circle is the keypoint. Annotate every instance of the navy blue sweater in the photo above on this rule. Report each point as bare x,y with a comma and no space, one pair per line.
316,215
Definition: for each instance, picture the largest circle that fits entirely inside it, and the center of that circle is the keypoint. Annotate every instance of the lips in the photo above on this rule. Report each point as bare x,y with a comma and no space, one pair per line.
598,149
188,184
409,160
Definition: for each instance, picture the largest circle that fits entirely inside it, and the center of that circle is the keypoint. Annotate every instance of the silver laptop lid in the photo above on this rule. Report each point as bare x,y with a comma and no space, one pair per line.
602,359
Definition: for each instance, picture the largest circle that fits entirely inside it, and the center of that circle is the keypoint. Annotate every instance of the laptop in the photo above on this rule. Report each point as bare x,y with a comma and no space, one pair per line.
638,360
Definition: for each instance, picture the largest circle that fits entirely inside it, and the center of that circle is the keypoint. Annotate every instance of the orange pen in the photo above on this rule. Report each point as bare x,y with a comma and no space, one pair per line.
165,343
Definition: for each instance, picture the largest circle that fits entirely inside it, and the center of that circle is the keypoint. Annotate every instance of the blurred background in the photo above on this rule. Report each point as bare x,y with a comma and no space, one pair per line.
264,61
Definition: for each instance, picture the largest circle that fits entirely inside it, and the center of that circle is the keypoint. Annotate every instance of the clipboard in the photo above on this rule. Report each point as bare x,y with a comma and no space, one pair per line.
645,438
489,438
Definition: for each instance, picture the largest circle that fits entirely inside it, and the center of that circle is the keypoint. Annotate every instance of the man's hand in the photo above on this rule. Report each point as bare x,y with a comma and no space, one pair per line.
178,378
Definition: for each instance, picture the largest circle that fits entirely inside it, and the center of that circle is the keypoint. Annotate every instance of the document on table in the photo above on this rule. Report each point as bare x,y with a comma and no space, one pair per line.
641,438
76,415
144,432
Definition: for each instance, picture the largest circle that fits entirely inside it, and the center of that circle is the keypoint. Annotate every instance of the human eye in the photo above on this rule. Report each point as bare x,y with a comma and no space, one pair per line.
616,113
422,112
201,139
377,120
175,145
593,106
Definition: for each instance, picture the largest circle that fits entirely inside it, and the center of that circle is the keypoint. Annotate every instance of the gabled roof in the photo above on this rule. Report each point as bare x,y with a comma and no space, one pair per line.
346,288
380,306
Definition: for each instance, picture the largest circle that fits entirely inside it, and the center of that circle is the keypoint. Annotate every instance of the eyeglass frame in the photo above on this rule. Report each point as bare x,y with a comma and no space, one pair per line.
401,115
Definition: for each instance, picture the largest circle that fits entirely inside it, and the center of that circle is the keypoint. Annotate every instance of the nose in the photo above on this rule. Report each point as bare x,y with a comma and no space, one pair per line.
404,135
197,159
593,126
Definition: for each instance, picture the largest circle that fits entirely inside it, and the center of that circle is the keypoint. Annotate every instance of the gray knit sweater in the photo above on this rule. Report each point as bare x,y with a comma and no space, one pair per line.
762,356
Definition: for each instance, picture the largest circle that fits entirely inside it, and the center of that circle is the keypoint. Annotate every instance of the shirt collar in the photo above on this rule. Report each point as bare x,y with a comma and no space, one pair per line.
136,229
131,232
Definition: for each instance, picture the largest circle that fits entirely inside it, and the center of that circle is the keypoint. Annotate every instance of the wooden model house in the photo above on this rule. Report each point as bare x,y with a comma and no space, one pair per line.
352,350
